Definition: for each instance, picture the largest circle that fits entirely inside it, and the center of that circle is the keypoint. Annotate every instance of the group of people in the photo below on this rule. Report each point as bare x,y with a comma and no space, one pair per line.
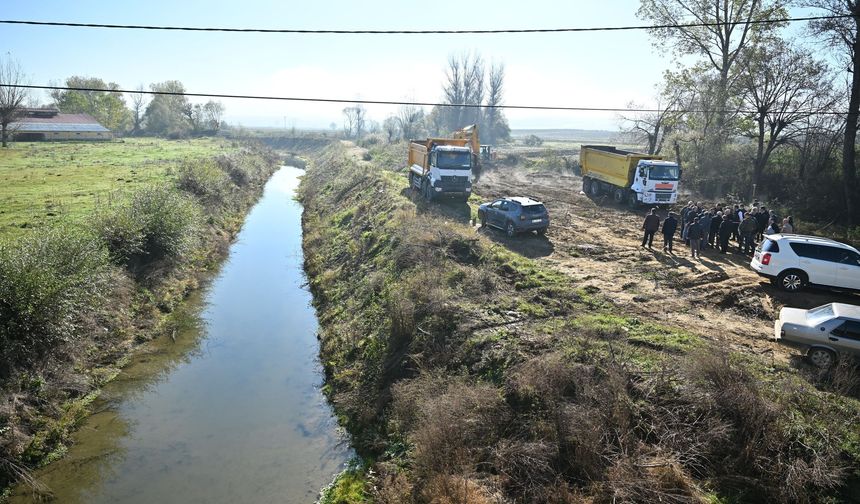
702,228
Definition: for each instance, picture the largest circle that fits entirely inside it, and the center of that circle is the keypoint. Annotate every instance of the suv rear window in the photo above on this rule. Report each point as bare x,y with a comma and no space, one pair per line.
769,245
534,209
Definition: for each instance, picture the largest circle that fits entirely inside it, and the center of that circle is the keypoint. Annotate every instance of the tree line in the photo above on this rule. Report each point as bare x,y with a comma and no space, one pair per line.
753,112
472,93
171,115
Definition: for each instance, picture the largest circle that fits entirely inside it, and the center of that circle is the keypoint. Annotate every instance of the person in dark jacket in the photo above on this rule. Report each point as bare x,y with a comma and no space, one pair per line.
651,225
705,220
695,234
725,233
714,229
748,228
670,226
762,217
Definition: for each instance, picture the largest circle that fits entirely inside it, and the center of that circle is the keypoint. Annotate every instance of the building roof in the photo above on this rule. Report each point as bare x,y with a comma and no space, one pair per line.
59,123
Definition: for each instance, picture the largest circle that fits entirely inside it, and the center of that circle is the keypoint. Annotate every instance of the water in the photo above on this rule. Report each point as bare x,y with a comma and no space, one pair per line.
232,411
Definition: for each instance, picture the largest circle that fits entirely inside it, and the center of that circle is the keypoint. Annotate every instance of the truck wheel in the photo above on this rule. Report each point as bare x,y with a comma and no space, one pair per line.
427,191
586,185
595,188
511,232
821,357
792,280
631,199
618,195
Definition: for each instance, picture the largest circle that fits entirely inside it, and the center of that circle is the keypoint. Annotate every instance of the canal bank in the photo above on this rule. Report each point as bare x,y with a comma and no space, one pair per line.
230,412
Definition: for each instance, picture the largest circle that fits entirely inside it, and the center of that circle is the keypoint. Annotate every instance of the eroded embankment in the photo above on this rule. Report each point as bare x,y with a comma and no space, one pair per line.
468,373
76,299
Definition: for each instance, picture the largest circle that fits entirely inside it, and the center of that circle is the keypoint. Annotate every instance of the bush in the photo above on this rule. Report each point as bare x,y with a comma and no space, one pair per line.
156,223
533,141
48,281
205,180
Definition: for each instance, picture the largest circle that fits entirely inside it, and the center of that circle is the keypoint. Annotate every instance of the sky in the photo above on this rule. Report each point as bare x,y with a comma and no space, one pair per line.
593,69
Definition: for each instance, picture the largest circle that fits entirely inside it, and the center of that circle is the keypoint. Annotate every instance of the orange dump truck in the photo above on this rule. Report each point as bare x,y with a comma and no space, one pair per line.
443,167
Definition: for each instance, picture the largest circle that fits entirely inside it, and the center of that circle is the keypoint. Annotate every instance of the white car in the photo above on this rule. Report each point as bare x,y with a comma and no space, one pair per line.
792,262
823,332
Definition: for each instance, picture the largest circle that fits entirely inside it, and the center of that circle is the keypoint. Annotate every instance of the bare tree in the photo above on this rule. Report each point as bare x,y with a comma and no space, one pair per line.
391,126
843,35
355,120
212,114
783,86
409,119
138,107
721,42
495,126
652,128
11,96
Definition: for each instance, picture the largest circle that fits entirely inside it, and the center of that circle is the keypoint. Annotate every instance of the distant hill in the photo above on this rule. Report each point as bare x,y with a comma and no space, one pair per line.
567,135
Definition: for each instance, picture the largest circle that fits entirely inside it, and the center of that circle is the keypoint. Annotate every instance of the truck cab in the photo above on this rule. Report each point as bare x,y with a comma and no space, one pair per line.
447,171
656,182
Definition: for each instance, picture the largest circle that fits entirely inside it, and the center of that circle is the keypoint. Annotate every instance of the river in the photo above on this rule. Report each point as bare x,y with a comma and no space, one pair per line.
230,412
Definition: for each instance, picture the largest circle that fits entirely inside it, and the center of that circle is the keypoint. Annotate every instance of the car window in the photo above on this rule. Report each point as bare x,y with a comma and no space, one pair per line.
534,209
769,245
820,314
505,206
850,330
831,254
850,257
496,204
804,250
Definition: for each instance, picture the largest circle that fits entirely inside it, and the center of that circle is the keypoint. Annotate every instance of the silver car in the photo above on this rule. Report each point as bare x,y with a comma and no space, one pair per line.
823,332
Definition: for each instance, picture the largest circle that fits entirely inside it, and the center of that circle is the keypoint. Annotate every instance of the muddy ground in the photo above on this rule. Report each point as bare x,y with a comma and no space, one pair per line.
597,243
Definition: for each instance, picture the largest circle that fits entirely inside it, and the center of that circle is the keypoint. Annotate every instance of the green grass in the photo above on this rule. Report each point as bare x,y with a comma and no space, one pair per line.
46,182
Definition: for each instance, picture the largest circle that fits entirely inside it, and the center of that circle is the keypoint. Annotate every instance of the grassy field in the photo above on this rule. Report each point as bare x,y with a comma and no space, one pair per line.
45,182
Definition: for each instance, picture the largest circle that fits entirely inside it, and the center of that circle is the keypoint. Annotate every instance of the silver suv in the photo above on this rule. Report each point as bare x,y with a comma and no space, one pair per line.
793,262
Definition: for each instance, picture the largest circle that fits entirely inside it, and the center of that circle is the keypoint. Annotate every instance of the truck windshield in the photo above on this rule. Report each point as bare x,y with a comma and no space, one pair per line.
663,173
453,160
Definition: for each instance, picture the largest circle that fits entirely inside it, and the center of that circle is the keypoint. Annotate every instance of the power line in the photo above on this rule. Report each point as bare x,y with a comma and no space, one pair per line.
382,102
421,32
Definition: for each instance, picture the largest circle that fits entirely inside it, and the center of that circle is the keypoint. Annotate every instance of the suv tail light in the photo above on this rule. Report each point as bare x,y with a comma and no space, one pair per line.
765,259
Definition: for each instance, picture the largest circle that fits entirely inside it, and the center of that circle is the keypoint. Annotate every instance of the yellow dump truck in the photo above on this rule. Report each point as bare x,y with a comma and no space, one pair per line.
627,176
444,166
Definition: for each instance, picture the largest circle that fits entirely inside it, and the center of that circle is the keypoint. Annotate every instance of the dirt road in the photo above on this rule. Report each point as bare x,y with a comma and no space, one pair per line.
597,243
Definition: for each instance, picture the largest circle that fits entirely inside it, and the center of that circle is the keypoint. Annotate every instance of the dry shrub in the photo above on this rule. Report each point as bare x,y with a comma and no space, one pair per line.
736,393
648,480
392,488
545,379
450,423
444,489
526,467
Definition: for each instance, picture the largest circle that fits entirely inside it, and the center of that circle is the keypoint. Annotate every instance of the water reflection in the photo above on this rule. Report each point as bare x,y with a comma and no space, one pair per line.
232,411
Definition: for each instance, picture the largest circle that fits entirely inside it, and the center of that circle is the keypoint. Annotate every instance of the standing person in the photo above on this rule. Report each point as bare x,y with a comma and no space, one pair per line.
733,217
650,226
741,216
788,225
670,225
716,220
748,229
772,228
725,233
688,220
695,234
705,221
762,218
684,212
